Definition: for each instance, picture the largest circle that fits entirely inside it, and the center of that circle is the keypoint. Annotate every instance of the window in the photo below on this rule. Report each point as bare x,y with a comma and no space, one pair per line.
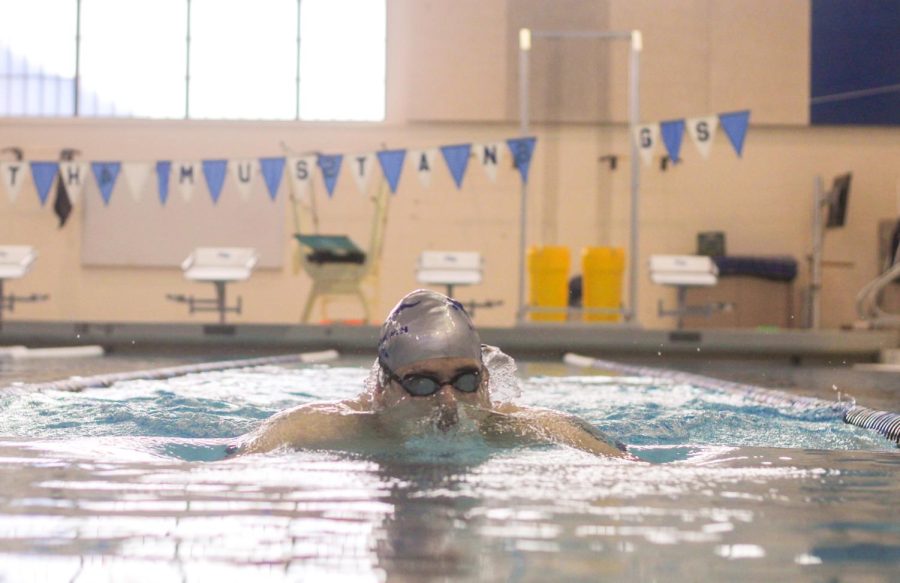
241,60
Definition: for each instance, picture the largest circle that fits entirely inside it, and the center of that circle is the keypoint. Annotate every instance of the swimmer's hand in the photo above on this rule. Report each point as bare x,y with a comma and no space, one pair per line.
554,426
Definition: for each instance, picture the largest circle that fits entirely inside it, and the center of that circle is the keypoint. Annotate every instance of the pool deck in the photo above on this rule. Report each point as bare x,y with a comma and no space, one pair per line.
533,340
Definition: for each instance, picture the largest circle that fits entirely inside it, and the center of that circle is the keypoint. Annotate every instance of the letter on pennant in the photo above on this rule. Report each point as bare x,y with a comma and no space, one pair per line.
702,131
243,171
735,127
490,155
185,175
11,173
646,137
362,167
424,161
74,175
300,173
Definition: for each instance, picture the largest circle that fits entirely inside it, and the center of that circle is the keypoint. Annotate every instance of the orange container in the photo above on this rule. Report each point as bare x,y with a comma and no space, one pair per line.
548,282
602,269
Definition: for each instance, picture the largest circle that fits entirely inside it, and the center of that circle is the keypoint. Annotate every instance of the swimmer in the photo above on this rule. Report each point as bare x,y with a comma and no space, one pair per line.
431,377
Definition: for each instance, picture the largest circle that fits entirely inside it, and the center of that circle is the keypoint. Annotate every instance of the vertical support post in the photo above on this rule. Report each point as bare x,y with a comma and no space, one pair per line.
815,284
220,300
187,71
524,50
297,77
77,81
2,303
634,118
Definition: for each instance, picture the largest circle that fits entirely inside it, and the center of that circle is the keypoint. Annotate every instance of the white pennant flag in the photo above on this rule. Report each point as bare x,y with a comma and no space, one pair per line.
13,175
362,166
424,161
702,131
136,174
244,172
300,170
74,176
186,175
490,157
646,137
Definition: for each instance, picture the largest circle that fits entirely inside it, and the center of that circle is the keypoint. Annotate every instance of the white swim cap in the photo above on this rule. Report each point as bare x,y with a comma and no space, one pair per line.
426,324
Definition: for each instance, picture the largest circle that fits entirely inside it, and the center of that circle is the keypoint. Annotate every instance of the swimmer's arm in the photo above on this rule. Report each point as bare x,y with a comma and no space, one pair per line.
567,430
311,425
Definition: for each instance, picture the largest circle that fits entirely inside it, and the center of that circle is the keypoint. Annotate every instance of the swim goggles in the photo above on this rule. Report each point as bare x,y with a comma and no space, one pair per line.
420,385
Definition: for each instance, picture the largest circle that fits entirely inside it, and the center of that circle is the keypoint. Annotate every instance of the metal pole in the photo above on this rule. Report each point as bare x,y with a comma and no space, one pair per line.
816,259
634,118
524,49
297,77
187,70
77,80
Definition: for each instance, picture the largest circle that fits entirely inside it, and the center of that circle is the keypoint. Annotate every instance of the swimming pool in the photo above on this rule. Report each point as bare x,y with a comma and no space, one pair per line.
123,483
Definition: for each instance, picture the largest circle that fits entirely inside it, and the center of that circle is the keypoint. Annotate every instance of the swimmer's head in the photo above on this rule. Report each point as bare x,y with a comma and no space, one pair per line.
424,325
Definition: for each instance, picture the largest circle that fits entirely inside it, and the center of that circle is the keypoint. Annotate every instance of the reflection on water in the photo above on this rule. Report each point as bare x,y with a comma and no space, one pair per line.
129,492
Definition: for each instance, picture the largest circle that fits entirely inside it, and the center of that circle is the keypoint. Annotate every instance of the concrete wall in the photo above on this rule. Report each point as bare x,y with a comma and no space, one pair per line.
452,78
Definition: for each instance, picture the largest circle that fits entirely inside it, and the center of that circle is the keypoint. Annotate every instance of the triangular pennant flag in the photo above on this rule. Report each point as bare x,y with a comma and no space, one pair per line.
330,165
522,150
74,174
136,174
735,126
646,137
43,173
106,173
361,166
12,176
424,161
163,169
457,159
300,172
214,172
702,131
672,134
62,205
392,165
243,171
186,178
272,170
489,156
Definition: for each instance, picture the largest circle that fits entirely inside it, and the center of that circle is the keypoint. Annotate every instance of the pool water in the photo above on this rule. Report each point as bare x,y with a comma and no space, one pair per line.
127,484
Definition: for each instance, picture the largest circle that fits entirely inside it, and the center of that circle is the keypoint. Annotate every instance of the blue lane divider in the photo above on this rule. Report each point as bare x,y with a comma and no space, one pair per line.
884,422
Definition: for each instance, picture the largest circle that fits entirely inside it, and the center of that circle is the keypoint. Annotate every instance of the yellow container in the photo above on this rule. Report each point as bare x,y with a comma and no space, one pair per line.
602,269
548,281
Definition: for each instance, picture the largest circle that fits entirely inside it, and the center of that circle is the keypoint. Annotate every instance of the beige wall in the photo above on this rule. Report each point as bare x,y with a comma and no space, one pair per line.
452,78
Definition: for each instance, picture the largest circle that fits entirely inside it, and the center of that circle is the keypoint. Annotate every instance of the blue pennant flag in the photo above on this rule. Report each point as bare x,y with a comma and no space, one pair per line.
735,126
672,133
522,150
392,164
331,167
43,173
163,168
214,171
272,170
457,159
106,173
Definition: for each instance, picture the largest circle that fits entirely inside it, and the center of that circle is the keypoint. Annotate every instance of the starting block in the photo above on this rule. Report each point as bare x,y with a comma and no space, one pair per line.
683,272
453,268
15,262
219,266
